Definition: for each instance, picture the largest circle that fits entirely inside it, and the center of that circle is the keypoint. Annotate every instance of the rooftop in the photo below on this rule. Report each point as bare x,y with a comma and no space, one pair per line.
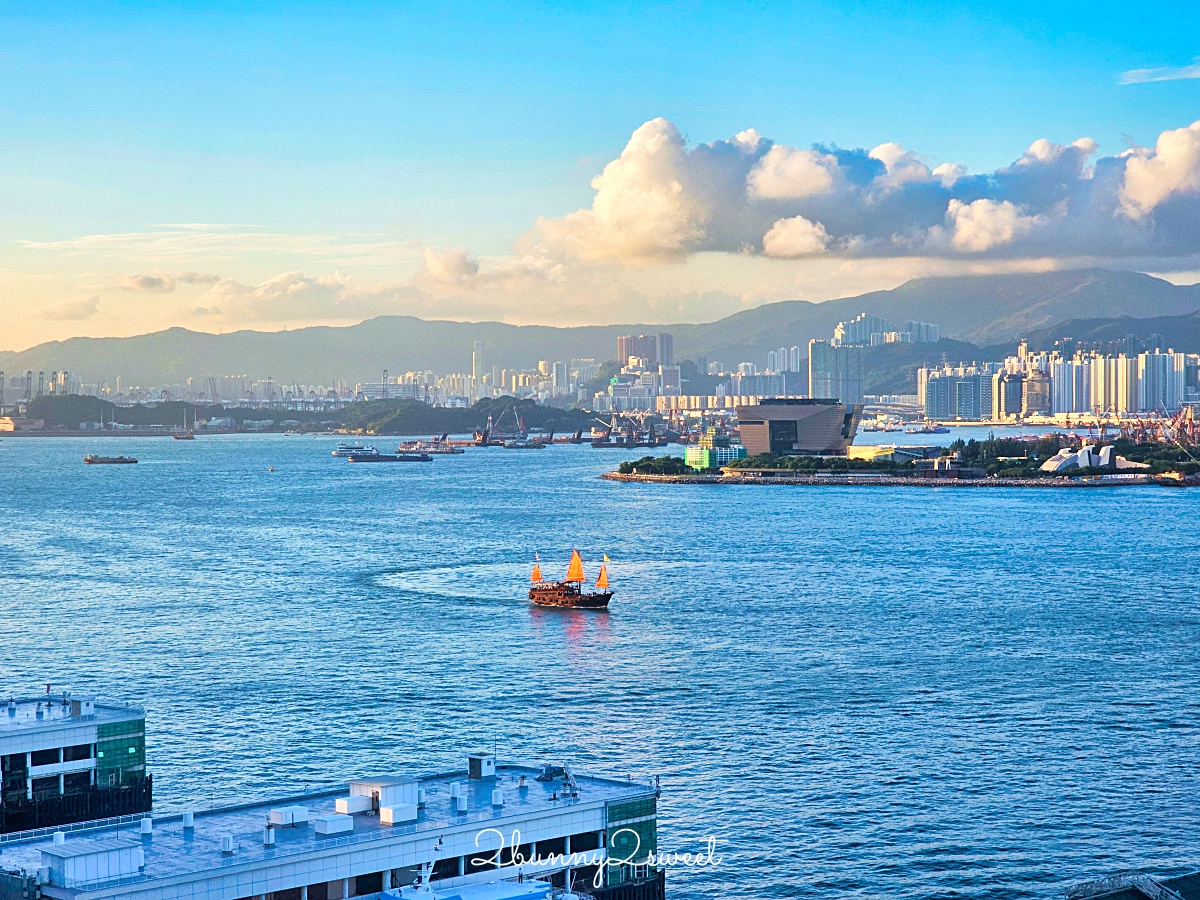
18,715
172,852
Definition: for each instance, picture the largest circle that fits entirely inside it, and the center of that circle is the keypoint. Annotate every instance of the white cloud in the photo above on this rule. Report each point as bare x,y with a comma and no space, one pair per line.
902,165
789,238
984,224
785,173
663,201
644,210
450,266
1172,168
1165,73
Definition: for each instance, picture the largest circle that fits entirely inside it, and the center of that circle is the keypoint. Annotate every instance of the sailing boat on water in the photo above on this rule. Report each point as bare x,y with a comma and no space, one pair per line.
570,593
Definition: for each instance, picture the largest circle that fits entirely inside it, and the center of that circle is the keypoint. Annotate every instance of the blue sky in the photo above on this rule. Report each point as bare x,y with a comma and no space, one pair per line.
457,125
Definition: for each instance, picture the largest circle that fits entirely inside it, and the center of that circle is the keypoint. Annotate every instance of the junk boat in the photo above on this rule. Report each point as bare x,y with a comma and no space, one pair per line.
93,460
569,593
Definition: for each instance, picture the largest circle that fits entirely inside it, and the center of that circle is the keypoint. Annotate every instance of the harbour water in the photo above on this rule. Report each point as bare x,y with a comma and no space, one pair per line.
893,693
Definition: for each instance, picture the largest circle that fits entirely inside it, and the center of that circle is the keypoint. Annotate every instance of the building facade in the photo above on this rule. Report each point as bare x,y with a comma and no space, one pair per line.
69,759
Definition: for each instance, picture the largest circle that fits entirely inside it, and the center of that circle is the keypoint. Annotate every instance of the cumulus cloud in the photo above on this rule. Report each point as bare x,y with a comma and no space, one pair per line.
787,173
662,201
789,238
1171,168
73,310
983,224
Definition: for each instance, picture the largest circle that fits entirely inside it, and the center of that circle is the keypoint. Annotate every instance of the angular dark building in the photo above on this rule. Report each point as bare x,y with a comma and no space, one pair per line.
786,426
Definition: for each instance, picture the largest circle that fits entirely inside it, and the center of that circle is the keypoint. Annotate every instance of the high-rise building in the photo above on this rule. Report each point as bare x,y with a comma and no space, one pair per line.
478,364
642,346
835,372
664,349
1035,394
561,379
1006,395
793,359
669,380
1161,380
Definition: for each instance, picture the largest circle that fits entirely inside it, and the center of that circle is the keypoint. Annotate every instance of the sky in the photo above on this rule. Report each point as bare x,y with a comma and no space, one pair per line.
221,166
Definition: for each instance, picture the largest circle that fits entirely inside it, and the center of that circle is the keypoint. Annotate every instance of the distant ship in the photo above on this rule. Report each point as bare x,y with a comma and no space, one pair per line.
569,593
347,449
184,435
376,457
93,460
927,428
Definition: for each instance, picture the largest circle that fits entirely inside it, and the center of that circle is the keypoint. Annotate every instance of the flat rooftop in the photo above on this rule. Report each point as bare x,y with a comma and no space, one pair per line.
171,852
56,714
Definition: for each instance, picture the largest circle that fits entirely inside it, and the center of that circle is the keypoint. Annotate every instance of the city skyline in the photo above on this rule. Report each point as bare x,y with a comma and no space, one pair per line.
370,164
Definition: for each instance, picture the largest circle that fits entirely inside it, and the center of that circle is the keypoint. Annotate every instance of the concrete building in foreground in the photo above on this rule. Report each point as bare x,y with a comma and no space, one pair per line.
371,836
65,759
788,426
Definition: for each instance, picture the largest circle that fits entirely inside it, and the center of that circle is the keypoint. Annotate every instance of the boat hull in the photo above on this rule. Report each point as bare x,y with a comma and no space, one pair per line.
567,596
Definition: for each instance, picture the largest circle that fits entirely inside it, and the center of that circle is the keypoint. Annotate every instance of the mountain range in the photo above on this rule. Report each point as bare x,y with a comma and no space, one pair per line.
980,309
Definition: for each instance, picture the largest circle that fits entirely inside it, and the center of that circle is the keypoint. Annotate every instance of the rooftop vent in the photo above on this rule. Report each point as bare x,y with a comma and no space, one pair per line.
189,820
59,838
146,827
481,766
386,791
348,806
497,797
398,815
12,707
268,836
335,824
288,816
227,844
460,804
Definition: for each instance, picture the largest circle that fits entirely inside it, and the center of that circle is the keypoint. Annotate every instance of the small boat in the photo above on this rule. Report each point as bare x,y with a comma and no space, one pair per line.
348,449
388,457
184,435
927,428
524,445
569,593
93,460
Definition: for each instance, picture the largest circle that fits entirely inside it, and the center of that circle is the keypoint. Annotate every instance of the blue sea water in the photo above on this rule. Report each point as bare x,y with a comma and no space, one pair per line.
858,692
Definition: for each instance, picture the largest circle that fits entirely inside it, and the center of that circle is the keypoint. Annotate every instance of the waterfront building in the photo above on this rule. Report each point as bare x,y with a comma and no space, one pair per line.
1035,394
1006,395
1161,380
786,426
712,451
956,392
67,759
835,372
367,837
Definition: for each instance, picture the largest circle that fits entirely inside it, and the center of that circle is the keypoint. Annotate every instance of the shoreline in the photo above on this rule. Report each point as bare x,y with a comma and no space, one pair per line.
900,481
